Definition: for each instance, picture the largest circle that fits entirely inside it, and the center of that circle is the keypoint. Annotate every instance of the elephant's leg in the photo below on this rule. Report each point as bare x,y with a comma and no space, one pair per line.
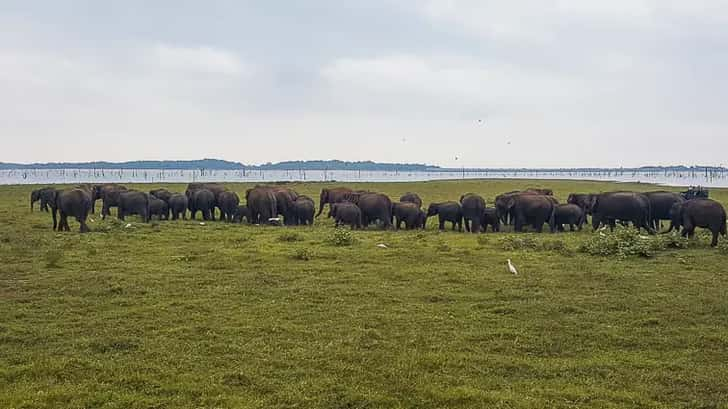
538,227
63,222
714,242
441,224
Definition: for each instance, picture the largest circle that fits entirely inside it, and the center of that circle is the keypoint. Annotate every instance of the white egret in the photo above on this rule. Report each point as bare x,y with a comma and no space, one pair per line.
512,268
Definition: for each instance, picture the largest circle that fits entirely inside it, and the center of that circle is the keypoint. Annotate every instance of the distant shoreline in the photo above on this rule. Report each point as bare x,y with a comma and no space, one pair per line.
664,177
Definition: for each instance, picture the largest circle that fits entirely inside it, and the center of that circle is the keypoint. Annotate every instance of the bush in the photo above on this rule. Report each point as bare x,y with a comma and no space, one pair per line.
303,254
674,241
341,237
623,242
723,246
510,243
290,236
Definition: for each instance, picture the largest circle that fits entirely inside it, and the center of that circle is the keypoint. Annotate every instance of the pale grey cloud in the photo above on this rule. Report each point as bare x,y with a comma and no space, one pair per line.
559,83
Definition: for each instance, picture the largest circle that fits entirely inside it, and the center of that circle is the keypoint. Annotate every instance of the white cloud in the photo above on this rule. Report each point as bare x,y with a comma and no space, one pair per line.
201,59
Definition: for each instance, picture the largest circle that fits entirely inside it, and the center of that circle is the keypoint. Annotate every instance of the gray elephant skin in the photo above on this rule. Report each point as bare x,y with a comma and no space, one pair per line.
262,205
447,212
346,213
704,213
410,214
72,202
625,206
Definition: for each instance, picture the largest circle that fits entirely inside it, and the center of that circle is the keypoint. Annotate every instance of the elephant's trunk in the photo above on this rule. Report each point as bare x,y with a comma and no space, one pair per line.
322,201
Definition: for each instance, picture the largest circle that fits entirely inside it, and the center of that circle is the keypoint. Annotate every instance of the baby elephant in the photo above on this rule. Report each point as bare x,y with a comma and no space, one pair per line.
303,210
241,212
159,208
447,212
490,217
408,213
346,213
570,214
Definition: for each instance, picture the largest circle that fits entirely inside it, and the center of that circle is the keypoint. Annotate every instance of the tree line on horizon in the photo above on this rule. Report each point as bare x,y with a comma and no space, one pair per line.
219,164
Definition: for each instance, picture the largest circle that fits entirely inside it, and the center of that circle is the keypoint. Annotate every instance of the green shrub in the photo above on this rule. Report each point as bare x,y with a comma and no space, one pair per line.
341,237
674,241
303,254
511,243
723,246
623,242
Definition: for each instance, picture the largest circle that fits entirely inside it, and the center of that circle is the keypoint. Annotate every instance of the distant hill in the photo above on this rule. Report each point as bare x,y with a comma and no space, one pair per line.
343,165
139,164
218,164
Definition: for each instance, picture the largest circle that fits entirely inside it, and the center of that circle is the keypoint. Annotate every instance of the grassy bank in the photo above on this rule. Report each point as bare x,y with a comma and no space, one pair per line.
175,314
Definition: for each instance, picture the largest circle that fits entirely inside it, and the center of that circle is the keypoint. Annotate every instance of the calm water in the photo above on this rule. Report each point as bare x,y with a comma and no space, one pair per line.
50,176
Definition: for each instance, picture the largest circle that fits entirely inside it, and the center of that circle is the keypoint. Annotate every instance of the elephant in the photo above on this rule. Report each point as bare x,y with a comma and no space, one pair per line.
408,213
501,204
99,192
583,200
158,207
346,213
262,204
530,209
178,206
214,188
134,202
228,203
242,212
285,199
375,206
660,205
447,212
203,201
570,214
411,198
109,195
331,196
304,209
162,194
45,196
71,202
625,206
473,207
705,213
544,192
675,217
490,217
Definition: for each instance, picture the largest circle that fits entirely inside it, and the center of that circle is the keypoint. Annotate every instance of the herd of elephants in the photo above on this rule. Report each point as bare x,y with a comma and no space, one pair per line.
358,209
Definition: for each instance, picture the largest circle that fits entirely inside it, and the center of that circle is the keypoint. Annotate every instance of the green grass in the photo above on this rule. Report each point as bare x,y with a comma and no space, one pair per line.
179,315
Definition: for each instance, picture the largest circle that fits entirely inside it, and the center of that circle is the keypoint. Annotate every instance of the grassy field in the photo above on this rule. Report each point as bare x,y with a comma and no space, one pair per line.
179,315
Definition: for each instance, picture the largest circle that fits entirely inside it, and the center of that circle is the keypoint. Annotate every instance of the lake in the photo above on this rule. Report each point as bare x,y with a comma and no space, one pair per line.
72,176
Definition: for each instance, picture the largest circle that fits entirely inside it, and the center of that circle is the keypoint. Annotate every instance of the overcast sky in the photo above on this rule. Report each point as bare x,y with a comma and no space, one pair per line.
491,83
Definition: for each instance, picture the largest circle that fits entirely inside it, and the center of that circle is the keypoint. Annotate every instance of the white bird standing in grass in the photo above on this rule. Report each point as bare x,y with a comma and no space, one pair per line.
512,268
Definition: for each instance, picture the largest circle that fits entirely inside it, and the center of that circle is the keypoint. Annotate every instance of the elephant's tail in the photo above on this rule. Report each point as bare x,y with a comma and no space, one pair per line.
552,219
723,228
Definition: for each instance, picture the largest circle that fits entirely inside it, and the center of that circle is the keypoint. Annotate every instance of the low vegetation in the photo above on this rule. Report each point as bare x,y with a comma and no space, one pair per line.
182,315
